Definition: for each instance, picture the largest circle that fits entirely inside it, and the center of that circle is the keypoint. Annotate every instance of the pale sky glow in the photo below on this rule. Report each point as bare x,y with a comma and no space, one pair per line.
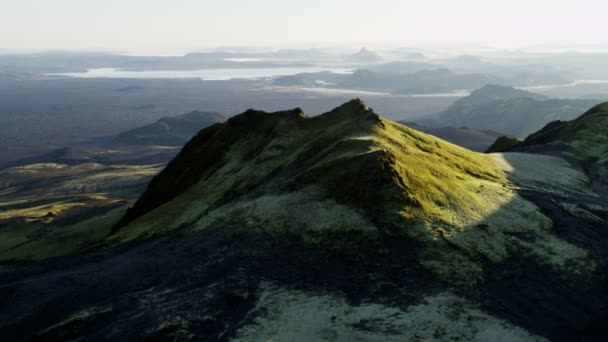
182,24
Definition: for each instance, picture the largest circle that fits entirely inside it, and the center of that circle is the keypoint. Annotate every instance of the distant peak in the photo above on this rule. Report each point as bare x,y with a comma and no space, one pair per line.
493,92
365,55
298,111
354,108
357,103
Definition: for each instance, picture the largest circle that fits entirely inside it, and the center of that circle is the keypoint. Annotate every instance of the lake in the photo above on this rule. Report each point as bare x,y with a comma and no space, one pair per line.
205,74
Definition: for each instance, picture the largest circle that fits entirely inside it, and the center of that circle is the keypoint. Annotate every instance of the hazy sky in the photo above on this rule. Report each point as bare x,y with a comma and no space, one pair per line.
186,24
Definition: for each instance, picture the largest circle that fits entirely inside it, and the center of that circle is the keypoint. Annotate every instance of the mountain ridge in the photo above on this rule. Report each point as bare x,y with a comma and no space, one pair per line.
397,181
510,111
169,131
583,141
339,226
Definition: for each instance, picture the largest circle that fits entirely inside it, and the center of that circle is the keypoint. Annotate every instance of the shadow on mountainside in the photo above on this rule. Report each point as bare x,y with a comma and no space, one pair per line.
206,283
540,267
561,303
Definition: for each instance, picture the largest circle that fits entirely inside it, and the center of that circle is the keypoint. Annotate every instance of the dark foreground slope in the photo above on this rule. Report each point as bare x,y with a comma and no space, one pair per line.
344,226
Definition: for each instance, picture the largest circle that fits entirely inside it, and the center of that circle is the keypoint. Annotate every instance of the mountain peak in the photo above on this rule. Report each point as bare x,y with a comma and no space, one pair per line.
354,109
356,105
364,175
365,55
492,92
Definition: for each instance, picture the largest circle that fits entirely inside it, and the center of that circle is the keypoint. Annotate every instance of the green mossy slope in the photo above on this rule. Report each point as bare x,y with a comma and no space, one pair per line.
349,171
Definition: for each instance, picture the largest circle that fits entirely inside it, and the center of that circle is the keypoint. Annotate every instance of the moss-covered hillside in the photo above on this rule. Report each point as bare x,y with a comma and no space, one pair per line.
351,172
340,227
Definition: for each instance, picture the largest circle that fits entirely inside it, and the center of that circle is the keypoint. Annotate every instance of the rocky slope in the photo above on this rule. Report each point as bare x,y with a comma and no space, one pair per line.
337,227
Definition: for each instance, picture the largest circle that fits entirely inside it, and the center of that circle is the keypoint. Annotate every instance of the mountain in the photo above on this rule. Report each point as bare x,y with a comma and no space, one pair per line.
342,226
288,150
462,136
508,110
170,131
419,82
387,80
493,92
404,67
522,73
502,144
584,141
149,144
101,154
364,56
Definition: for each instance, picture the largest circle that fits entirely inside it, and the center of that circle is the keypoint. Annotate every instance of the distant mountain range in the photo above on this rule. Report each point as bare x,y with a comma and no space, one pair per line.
505,109
365,56
157,142
417,82
170,131
583,140
473,140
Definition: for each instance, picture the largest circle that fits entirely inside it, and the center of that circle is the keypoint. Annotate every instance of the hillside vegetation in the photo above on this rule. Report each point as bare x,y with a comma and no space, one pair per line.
344,226
51,209
349,172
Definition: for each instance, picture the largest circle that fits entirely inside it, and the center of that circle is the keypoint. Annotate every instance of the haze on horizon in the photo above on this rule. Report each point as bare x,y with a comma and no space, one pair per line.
160,25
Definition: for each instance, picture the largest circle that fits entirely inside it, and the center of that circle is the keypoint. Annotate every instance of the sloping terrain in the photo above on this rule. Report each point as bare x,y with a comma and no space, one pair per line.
503,143
426,81
473,140
150,144
383,177
101,154
337,227
583,141
170,131
67,200
510,111
493,92
55,209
